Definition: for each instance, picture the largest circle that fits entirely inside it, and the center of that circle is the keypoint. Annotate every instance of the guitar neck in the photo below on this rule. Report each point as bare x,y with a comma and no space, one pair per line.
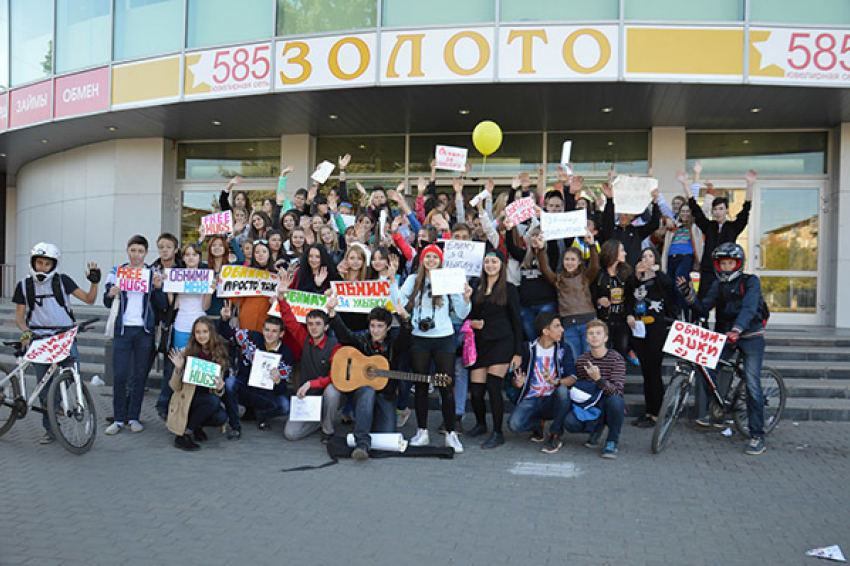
404,376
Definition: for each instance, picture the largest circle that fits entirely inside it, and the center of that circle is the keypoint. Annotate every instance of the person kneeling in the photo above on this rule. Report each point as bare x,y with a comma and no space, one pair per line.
597,394
266,403
543,379
193,407
374,409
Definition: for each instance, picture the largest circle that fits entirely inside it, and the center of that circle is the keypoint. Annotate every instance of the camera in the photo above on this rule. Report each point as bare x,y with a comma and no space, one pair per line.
426,324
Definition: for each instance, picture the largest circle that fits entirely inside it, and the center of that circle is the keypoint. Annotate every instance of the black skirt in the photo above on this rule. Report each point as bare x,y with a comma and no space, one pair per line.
493,352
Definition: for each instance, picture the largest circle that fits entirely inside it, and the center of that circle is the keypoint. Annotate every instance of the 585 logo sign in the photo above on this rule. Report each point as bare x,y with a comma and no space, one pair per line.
818,56
228,71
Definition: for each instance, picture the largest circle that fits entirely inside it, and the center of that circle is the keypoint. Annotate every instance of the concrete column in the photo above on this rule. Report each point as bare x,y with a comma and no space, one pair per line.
841,216
300,152
666,156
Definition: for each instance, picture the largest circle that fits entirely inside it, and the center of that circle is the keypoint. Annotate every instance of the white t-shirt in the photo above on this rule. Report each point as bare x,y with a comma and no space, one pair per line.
133,312
189,310
544,363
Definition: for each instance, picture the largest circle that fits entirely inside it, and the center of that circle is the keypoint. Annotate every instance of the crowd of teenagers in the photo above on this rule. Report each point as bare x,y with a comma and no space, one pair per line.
550,324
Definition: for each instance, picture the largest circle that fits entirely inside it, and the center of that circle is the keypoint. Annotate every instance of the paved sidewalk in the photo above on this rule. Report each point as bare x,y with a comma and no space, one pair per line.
135,500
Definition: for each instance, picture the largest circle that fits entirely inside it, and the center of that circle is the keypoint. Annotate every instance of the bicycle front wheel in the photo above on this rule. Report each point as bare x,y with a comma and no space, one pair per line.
672,405
9,393
774,394
72,416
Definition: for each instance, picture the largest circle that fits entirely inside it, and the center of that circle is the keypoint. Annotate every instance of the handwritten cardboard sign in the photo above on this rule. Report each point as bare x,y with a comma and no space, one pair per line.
238,281
189,281
451,158
468,256
520,210
322,172
218,223
52,349
695,344
263,367
559,225
301,303
133,279
633,194
201,372
447,281
361,296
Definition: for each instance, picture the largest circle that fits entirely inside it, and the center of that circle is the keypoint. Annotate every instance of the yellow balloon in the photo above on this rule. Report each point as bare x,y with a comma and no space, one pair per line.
487,137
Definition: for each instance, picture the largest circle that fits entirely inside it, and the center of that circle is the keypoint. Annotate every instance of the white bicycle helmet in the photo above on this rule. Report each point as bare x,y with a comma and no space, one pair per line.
46,250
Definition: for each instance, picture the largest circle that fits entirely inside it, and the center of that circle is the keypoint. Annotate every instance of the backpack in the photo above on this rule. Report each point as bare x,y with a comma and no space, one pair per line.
763,312
58,294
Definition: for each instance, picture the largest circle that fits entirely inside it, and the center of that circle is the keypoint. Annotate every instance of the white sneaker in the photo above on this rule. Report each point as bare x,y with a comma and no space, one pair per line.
136,426
452,441
420,438
114,428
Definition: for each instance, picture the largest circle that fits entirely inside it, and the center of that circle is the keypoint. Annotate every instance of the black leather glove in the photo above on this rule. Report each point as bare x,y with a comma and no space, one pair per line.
94,275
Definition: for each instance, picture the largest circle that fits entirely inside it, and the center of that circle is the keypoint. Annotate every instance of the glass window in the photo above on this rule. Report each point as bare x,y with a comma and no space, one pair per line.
566,10
785,153
369,154
594,154
790,294
812,12
82,33
223,160
412,13
32,40
4,44
789,226
147,27
689,10
311,16
518,152
213,22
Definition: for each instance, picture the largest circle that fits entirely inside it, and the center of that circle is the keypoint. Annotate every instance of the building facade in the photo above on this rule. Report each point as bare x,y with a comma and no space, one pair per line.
127,116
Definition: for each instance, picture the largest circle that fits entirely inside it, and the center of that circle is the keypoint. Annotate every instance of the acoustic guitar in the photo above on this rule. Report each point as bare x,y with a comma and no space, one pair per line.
351,370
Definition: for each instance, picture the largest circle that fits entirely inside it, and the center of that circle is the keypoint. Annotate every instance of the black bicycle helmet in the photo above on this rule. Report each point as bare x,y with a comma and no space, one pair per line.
729,250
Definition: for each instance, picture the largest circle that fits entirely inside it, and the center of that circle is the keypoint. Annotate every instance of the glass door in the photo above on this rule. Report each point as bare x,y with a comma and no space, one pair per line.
785,249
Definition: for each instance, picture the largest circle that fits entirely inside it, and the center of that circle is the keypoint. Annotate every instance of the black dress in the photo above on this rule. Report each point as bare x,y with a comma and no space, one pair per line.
501,338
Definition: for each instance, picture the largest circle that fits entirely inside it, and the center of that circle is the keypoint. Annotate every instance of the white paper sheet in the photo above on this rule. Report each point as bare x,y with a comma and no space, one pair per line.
261,369
448,281
322,172
308,409
639,331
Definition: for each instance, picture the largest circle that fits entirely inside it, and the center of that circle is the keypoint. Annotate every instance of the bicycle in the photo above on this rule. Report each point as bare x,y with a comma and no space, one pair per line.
732,401
70,410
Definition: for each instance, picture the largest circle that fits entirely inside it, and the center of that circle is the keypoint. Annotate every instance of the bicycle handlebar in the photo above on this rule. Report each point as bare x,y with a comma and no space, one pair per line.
81,327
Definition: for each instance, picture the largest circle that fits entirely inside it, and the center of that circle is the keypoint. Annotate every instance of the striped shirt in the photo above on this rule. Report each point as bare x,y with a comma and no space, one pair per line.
612,368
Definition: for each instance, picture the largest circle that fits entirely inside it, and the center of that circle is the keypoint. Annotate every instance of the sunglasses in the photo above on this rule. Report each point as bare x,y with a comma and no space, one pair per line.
261,242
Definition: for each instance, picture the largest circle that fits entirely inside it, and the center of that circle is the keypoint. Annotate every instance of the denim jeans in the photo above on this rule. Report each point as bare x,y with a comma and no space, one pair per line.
41,370
374,413
753,350
268,404
205,410
135,344
531,410
165,391
461,377
680,266
529,314
231,402
613,414
575,338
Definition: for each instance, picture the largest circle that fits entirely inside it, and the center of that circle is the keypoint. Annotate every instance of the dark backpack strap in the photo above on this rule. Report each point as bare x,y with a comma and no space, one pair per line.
29,288
59,295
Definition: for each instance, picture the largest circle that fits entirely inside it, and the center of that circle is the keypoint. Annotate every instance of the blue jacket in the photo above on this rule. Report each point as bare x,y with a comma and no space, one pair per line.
156,299
565,366
736,310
